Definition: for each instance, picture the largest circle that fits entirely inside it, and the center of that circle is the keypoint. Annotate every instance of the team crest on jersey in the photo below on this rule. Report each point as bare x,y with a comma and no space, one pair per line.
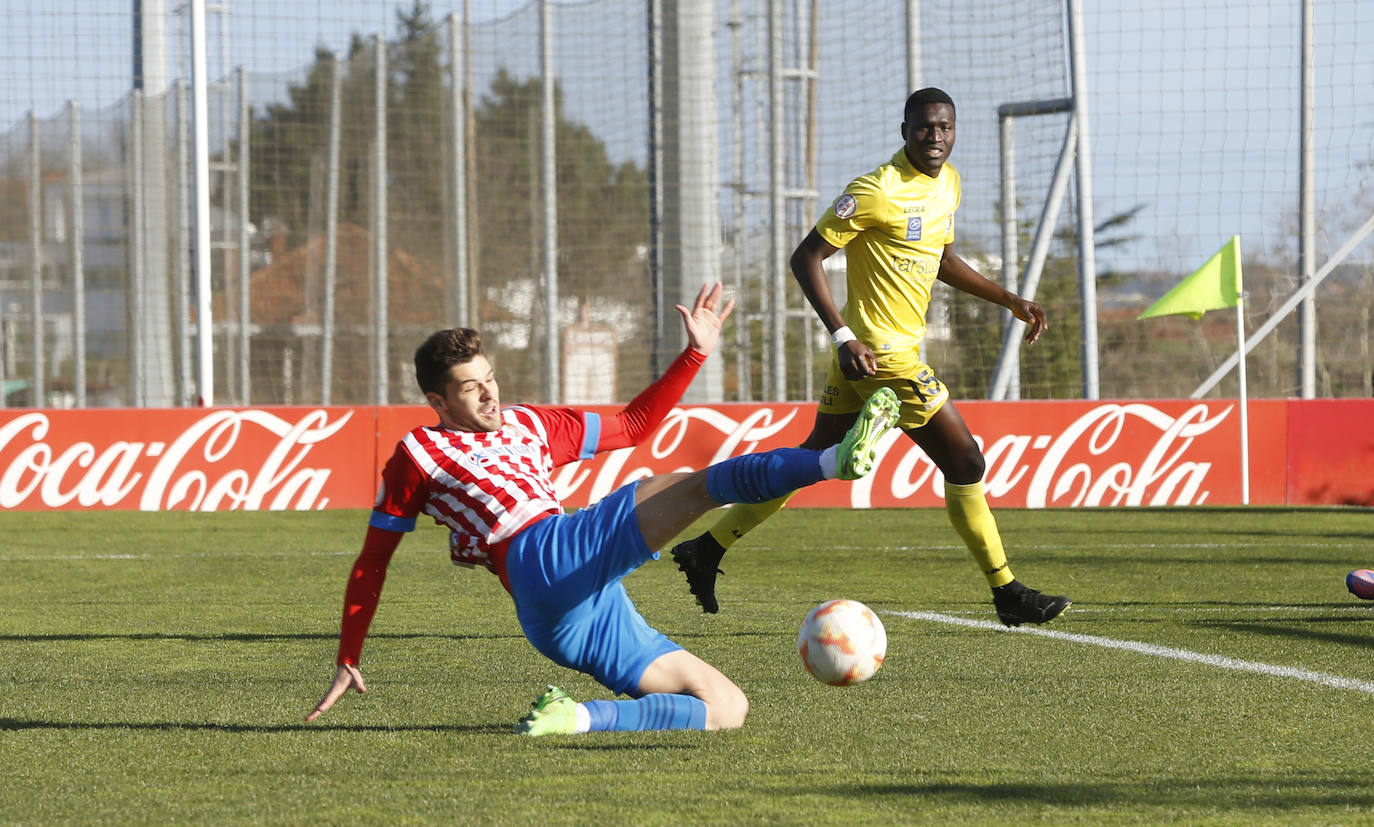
845,206
913,228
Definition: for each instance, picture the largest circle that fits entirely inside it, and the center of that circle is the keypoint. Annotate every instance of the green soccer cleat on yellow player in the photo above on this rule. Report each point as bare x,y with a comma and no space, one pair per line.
859,448
552,713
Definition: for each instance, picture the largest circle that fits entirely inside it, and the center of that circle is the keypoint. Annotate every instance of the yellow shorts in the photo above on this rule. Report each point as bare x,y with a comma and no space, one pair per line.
915,384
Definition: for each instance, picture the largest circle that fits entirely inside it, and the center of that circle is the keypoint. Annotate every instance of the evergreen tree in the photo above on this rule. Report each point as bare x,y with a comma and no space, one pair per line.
603,222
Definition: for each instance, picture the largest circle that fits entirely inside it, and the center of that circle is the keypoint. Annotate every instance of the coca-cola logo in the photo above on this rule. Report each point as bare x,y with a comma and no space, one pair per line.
205,467
1111,454
670,447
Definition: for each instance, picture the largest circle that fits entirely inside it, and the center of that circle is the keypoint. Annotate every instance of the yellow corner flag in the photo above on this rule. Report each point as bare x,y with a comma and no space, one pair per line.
1215,285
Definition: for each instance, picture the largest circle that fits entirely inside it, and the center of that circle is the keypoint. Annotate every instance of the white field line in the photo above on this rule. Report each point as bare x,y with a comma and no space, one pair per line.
1334,681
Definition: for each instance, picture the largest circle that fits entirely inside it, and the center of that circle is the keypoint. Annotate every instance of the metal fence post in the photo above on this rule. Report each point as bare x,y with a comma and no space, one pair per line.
137,259
381,369
77,243
553,385
331,233
245,289
38,391
181,272
458,98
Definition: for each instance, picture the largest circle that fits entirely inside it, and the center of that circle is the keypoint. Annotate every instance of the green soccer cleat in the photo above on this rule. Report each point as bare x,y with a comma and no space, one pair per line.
552,713
859,447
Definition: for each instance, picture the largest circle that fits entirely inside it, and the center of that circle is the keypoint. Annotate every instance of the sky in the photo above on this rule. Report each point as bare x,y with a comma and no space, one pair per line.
1194,103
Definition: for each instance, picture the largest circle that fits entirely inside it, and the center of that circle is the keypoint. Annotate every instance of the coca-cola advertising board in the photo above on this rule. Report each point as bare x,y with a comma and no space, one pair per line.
163,459
1039,455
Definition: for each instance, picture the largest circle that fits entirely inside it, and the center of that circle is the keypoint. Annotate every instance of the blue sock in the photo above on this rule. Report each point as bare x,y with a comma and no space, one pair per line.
758,478
651,712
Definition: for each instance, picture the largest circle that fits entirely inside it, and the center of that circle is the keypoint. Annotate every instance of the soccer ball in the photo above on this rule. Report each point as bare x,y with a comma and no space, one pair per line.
842,642
1360,583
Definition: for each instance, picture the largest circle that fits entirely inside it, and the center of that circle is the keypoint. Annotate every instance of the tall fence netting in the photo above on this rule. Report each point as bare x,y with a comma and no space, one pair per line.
339,241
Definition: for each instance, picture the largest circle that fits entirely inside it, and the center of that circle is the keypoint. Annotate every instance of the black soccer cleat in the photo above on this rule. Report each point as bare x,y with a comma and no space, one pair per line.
1017,604
699,559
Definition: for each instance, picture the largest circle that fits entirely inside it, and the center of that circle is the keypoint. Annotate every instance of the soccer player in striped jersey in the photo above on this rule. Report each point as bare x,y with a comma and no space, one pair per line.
896,224
483,471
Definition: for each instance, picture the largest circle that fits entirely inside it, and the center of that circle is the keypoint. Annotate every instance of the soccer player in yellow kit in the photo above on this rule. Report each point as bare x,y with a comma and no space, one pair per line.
897,226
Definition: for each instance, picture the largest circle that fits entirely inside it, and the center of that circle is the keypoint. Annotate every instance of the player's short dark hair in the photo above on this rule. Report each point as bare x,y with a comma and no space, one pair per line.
923,97
441,351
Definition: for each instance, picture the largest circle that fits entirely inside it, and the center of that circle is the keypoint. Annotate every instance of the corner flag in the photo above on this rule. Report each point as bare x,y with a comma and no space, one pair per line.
1215,285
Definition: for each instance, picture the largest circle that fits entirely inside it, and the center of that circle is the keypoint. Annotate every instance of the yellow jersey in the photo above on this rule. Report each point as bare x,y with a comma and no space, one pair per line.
894,224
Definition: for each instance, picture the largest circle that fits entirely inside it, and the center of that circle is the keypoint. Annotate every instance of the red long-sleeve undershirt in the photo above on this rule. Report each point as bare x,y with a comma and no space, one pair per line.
629,426
638,419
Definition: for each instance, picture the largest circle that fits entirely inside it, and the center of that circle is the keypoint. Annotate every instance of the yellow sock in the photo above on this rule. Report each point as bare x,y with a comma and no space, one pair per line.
969,512
741,518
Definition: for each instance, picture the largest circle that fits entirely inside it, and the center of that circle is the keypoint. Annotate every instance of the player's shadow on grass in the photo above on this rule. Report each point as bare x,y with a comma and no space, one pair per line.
595,744
17,724
1163,553
1244,793
1285,628
239,637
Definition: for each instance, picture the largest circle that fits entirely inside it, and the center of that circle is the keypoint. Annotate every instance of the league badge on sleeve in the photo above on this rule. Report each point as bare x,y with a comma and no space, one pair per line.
845,206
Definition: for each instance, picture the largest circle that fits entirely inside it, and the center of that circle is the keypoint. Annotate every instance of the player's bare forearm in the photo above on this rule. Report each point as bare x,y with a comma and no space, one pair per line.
807,262
807,268
956,272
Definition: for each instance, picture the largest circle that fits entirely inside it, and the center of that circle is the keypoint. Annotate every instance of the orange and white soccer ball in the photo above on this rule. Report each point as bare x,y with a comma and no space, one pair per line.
842,642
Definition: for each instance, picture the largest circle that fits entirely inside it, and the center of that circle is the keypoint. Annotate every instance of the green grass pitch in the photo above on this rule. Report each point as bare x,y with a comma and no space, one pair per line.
156,668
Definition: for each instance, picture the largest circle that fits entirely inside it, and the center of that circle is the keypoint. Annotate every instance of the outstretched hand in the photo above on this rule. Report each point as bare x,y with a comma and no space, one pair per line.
348,677
1033,315
703,322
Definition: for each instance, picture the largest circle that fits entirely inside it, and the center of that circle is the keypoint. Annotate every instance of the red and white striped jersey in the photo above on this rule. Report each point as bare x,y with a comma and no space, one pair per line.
484,486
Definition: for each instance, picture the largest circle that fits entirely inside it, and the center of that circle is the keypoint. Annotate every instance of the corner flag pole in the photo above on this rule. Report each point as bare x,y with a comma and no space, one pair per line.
1244,405
1216,285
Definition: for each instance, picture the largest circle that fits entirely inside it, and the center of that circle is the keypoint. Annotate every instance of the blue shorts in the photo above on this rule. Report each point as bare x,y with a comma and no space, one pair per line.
565,574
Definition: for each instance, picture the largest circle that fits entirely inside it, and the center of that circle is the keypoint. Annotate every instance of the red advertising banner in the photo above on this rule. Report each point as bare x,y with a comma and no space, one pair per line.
1330,451
164,459
1039,455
